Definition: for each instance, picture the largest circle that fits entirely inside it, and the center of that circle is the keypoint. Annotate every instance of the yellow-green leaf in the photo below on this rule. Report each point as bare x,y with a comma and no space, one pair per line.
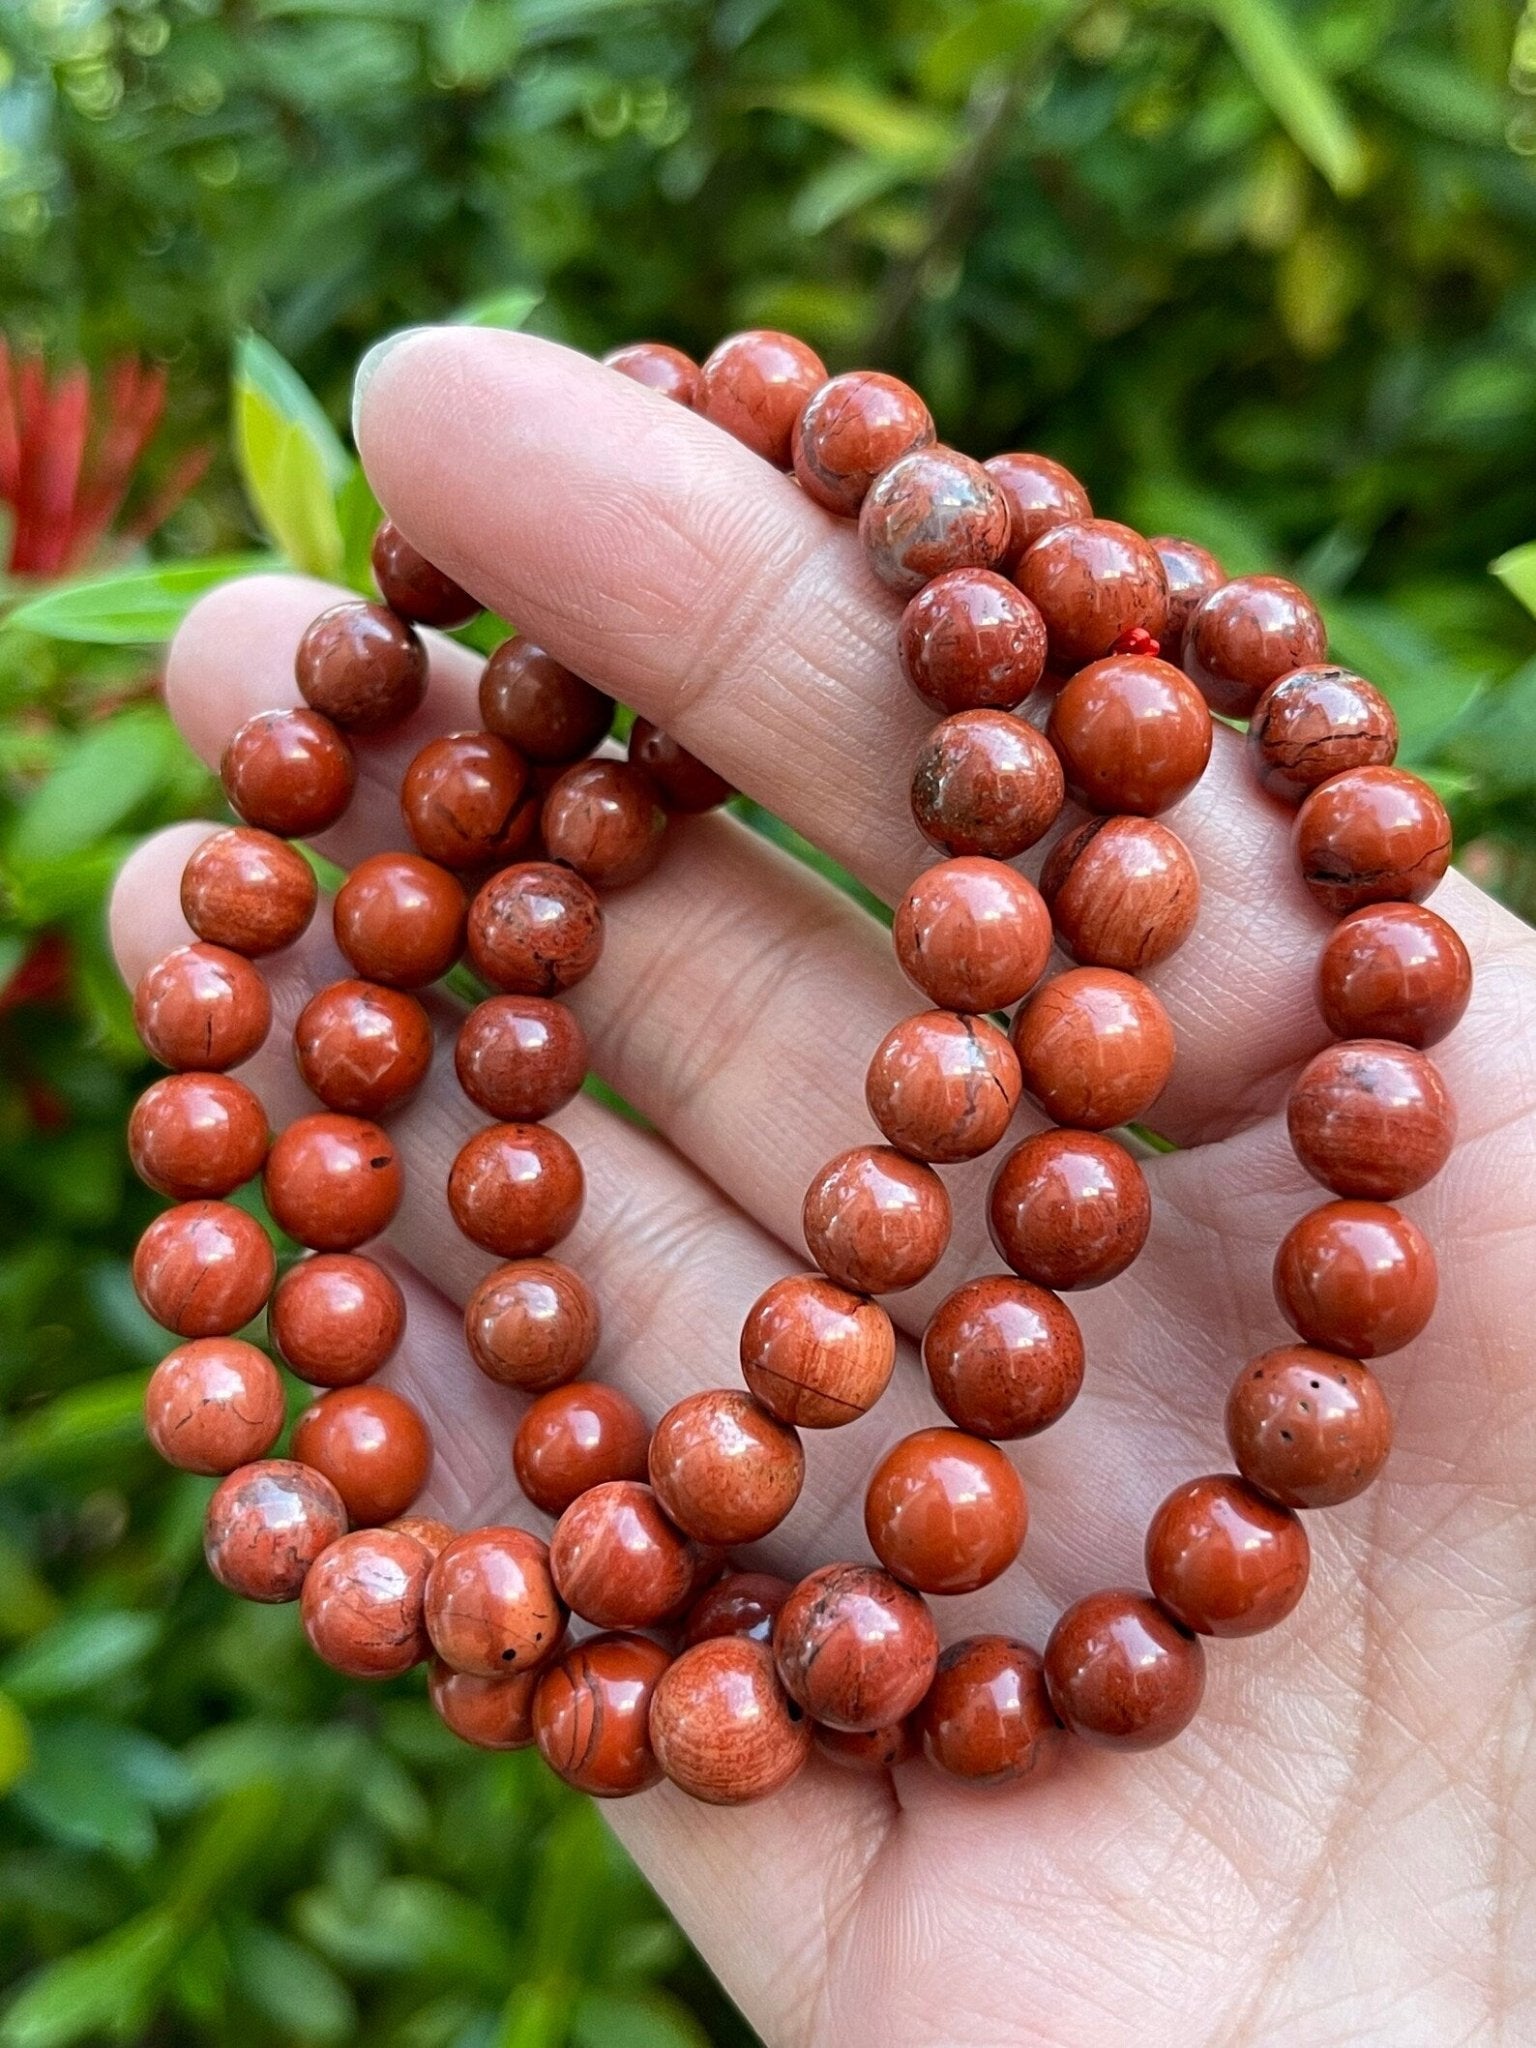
290,458
1268,45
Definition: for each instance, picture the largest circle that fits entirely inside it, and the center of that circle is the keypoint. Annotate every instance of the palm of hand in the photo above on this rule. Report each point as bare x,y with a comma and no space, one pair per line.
1340,1848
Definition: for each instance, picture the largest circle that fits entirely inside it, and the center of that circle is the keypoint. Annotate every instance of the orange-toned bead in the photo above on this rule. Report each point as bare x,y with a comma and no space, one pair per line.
686,783
547,712
740,1604
932,511
723,1728
943,1087
592,1714
1193,572
855,426
870,1749
288,772
247,890
945,1511
361,666
535,929
1133,733
371,1444
756,385
332,1181
1371,1118
1372,835
973,934
1223,1560
970,641
576,1437
1069,1209
414,587
1356,1277
490,1713
491,1604
433,1536
1095,1048
202,1007
855,1647
815,1354
214,1404
1039,494
362,1048
336,1318
1313,724
1308,1428
875,1221
1122,892
1004,1357
659,367
265,1526
987,1718
204,1268
1394,970
516,1189
723,1468
1093,581
1121,1673
1245,635
468,800
988,783
196,1135
618,1561
362,1603
606,820
520,1058
532,1324
399,919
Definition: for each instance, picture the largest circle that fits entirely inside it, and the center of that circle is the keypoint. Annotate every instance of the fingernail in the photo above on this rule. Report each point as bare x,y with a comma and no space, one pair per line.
368,368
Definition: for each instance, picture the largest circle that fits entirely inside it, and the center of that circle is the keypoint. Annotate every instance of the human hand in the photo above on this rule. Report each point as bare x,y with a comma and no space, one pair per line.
1340,1847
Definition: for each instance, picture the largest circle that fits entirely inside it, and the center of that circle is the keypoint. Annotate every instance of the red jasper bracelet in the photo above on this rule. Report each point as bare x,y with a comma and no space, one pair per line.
718,1678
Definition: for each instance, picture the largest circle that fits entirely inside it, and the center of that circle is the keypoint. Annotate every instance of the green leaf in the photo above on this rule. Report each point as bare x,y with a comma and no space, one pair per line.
102,1417
358,513
873,122
15,1743
639,2019
94,1785
1517,572
107,771
80,1653
1267,44
502,309
290,1986
103,1988
290,458
138,608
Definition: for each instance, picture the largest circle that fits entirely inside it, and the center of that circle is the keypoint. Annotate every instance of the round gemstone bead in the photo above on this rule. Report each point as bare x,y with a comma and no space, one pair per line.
412,586
869,1750
1308,1428
516,1189
1133,733
1314,723
288,772
945,1512
491,1604
756,385
986,783
874,1221
1121,1673
987,1718
659,367
533,1324
547,712
1040,494
722,1727
855,426
214,1404
685,782
203,1269
725,1470
362,667
371,1444
193,1135
534,930
618,1561
1122,892
740,1604
468,800
933,511
591,1714
1093,581
332,1182
855,1648
576,1437
1394,970
972,934
1069,1209
606,820
971,641
1247,634
1004,1357
265,1526
399,920
489,1713
1095,1048
814,1354
520,1058
362,1048
433,1536
1372,835
943,1087
1371,1119
335,1318
1223,1560
1193,572
362,1603
1356,1277
202,1007
247,890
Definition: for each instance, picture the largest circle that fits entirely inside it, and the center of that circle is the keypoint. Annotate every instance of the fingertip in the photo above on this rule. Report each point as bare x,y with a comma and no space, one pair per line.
253,622
144,916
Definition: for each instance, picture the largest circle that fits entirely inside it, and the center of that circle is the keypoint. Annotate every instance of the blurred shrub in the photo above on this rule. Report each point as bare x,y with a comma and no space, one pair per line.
1259,269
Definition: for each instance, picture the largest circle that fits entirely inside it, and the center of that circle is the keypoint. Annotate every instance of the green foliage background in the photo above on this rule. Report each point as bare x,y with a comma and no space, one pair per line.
1259,269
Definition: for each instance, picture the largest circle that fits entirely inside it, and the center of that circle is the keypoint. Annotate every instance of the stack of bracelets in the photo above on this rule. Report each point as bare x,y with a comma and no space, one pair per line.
721,1679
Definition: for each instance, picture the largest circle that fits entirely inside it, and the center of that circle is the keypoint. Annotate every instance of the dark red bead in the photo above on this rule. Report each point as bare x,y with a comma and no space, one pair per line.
412,586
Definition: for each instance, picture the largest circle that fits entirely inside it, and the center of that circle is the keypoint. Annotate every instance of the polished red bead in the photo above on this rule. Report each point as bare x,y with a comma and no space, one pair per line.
469,801
606,820
1314,723
618,1561
723,1728
1223,1560
1394,970
1093,581
1133,733
547,711
194,1135
336,1318
371,1444
986,783
362,1048
592,1714
932,511
434,1536
756,385
214,1404
202,1007
1372,1119
362,667
576,1437
535,929
1356,1277
265,1526
248,890
203,1269
740,1604
520,1058
855,1647
875,1221
686,783
399,919
289,772
1308,1428
815,1354
943,1087
1004,1357
1372,835
1069,1209
1095,1048
725,1470
657,366
870,1750
1193,572
332,1181
972,934
971,641
1122,892
1245,635
1121,1673
987,1718
362,1603
533,1325
945,1511
516,1189
855,426
490,1713
491,1604
1039,494
414,587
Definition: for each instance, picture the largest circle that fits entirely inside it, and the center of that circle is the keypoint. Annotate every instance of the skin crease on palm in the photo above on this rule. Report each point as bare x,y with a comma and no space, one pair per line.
1340,1849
